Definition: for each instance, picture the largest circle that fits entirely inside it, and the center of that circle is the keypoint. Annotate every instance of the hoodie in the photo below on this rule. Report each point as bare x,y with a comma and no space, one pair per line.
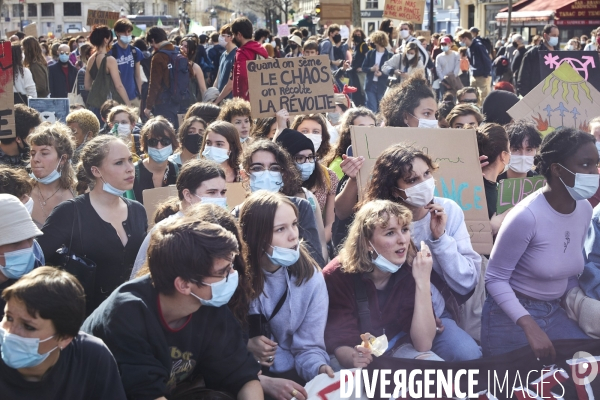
249,51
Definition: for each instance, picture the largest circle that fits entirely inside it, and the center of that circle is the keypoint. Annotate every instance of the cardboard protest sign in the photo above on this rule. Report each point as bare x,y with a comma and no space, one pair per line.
562,99
425,34
336,10
283,30
97,17
7,100
586,63
236,194
458,177
512,191
301,85
31,30
406,10
51,110
75,34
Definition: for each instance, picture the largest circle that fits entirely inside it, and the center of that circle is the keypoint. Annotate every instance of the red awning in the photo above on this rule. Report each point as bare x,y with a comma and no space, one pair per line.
539,5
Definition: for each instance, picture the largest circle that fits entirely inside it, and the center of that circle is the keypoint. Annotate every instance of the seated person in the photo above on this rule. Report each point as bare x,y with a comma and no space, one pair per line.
525,141
463,116
44,356
168,327
237,112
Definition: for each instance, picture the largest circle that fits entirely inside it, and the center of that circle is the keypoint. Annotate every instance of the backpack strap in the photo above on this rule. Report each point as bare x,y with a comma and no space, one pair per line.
281,300
362,301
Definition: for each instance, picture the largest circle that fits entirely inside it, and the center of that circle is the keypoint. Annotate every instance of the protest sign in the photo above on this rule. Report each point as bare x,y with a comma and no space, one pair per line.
7,118
31,30
301,85
236,194
512,191
97,17
563,99
425,34
336,10
458,177
406,10
283,30
586,63
51,110
75,34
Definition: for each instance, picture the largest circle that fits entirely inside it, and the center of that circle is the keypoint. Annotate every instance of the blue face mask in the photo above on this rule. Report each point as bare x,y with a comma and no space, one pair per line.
220,201
160,155
266,180
18,263
125,39
306,170
52,176
110,189
221,291
462,44
216,154
284,257
20,352
383,263
63,58
553,41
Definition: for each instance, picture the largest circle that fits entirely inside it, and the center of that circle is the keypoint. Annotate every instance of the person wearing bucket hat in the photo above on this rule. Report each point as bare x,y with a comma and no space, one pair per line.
19,251
295,44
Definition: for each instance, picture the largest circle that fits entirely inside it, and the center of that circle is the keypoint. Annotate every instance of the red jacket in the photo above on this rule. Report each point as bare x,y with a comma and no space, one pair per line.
394,316
247,52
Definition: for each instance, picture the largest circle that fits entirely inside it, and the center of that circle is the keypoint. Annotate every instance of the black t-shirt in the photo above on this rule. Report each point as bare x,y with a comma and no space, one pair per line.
144,180
503,175
491,196
85,370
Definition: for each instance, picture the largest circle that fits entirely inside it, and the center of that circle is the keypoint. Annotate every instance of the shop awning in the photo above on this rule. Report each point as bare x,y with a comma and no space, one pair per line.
526,16
538,5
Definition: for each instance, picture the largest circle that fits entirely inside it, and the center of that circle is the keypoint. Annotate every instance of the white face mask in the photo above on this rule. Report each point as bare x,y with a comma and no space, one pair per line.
124,130
383,263
420,195
586,185
426,123
222,41
410,56
520,164
316,139
29,205
404,33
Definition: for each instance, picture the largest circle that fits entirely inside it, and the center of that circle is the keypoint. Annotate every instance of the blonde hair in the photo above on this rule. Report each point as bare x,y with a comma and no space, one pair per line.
380,38
354,255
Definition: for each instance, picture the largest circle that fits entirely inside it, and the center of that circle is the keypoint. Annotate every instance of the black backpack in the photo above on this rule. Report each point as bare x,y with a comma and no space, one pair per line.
179,77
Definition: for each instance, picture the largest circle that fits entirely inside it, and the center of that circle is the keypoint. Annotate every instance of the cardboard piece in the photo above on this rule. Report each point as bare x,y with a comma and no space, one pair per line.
425,34
75,34
301,85
10,33
31,30
586,63
7,100
236,194
336,10
458,177
283,30
512,191
51,110
97,17
406,10
180,118
563,98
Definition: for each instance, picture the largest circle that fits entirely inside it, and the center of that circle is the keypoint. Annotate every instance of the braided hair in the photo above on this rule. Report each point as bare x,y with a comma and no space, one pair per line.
558,146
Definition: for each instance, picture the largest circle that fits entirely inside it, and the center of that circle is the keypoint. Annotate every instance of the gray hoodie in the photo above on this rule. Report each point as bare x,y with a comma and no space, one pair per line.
299,326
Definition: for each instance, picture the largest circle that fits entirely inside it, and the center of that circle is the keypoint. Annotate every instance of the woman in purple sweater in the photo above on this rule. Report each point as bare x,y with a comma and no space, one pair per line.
538,251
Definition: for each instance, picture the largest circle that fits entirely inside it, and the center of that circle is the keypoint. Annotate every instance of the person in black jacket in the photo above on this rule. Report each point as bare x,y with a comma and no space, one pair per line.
357,76
481,64
529,73
62,75
168,328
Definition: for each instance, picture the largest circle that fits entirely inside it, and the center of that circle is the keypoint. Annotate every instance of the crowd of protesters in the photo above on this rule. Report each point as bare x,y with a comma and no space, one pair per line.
256,300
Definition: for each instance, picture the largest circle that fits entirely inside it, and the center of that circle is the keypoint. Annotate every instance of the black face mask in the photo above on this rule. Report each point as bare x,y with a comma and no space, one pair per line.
192,143
372,45
357,38
390,29
293,46
337,38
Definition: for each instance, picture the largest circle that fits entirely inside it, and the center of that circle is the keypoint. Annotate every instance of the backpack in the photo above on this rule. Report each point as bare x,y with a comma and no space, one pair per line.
179,77
488,46
501,65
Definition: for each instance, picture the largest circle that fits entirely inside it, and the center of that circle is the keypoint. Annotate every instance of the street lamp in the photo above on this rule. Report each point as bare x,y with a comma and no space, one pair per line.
213,18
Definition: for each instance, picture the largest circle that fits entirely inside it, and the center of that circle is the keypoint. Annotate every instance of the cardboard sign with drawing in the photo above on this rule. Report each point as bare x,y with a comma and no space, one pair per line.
459,175
512,191
563,99
7,100
301,85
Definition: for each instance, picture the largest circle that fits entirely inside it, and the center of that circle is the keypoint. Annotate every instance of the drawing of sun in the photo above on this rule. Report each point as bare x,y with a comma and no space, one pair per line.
567,79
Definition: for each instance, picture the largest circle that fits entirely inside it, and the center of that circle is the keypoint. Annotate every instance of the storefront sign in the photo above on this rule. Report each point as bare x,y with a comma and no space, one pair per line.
582,9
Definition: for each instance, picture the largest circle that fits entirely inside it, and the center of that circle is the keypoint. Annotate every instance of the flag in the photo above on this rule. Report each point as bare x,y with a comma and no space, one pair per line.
159,23
137,31
195,27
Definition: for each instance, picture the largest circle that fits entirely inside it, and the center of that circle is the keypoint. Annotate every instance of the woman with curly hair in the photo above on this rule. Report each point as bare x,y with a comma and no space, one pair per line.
52,149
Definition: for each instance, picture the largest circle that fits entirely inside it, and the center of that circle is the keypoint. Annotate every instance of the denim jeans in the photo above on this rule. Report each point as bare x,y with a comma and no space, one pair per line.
169,111
499,334
373,95
454,344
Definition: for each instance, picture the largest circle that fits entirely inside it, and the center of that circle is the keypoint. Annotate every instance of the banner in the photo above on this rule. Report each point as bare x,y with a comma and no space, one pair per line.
563,99
51,110
283,30
586,63
97,17
301,85
7,100
458,177
512,191
406,10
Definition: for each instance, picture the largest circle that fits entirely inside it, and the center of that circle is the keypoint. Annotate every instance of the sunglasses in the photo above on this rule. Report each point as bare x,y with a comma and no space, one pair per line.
7,141
153,142
468,101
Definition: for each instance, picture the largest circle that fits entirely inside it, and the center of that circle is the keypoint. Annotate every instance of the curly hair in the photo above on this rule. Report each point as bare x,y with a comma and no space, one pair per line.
344,131
209,112
59,136
404,98
320,119
236,107
558,146
228,131
28,118
380,38
521,130
292,181
15,181
354,255
393,164
262,127
86,120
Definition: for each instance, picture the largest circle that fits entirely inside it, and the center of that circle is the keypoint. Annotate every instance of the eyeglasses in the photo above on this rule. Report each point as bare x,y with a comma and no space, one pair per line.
7,141
153,142
212,276
261,168
300,159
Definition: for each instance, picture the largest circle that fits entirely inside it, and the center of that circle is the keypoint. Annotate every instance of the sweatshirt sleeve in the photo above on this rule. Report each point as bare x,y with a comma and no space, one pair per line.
391,65
456,64
439,69
106,379
29,83
308,344
460,264
513,239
